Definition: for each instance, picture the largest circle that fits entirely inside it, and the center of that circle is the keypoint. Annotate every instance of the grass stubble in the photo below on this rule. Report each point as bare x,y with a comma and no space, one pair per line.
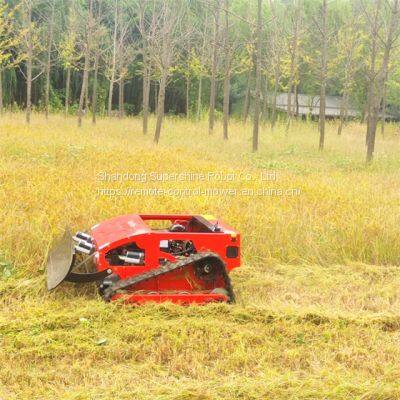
318,310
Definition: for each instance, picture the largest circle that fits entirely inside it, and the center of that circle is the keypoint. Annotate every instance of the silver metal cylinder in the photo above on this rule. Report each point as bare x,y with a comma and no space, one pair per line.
133,257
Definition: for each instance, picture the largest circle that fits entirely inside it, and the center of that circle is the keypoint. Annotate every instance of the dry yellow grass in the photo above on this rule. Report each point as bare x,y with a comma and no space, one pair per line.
318,312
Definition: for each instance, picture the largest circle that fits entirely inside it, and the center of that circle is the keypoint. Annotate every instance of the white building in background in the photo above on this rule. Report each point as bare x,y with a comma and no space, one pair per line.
309,105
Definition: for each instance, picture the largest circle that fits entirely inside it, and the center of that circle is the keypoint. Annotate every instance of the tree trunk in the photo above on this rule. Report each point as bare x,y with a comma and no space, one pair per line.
146,94
372,124
114,60
160,106
227,77
121,98
199,92
341,121
293,66
94,89
258,78
12,99
324,62
1,92
381,77
373,52
110,95
226,102
265,108
322,107
211,116
274,98
48,62
156,97
346,111
29,56
383,116
86,65
246,105
85,79
296,100
86,102
67,90
187,97
29,87
289,108
276,49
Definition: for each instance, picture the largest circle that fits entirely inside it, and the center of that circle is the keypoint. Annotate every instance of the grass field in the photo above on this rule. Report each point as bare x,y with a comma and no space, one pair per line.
318,310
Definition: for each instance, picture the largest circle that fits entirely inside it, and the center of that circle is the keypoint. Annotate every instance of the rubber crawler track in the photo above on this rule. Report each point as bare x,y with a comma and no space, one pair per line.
169,267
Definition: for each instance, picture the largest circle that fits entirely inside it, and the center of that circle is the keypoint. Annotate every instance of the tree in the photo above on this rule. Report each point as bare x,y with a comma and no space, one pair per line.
324,73
169,36
114,57
68,49
274,55
127,50
87,55
214,66
148,28
99,37
290,63
232,62
250,67
378,80
121,56
228,58
349,47
187,73
316,56
50,43
392,86
258,77
99,61
199,65
31,49
188,62
9,39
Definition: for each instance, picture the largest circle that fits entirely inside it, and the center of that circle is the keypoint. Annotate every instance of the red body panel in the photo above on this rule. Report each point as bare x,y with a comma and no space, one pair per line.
181,287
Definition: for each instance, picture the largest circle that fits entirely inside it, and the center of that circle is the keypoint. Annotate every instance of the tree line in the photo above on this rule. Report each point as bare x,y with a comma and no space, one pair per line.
201,57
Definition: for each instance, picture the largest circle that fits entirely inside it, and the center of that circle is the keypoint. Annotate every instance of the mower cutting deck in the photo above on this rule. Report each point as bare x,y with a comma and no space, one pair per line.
186,261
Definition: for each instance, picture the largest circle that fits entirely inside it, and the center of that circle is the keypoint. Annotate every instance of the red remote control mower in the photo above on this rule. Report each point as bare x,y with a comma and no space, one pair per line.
186,261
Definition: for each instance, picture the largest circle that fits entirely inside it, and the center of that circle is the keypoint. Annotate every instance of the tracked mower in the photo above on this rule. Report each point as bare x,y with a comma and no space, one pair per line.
185,261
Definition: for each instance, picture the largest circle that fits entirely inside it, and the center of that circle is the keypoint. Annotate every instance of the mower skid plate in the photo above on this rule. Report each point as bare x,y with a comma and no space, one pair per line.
60,260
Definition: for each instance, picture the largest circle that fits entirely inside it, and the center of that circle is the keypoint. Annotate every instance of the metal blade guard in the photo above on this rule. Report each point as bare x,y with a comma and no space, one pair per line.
60,260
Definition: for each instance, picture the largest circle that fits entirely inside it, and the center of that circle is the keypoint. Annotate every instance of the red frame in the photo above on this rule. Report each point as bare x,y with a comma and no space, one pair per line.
179,287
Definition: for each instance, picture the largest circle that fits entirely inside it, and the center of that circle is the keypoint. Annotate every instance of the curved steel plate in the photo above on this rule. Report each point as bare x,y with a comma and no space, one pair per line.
60,260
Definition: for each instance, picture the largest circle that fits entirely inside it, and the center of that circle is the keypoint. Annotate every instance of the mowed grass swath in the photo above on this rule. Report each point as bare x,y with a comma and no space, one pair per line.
317,314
